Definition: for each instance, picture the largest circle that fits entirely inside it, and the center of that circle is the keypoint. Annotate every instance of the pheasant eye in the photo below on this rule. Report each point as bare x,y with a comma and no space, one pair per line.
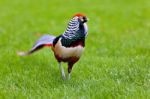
84,17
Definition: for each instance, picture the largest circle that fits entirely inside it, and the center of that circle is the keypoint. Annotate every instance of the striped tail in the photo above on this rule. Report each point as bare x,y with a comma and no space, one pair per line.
45,40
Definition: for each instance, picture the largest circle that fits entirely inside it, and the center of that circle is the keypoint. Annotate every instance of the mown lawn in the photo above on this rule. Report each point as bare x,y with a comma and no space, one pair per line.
115,64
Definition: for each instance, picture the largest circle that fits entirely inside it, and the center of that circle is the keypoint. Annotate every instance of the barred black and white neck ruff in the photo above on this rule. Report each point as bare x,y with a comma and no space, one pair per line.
73,27
75,32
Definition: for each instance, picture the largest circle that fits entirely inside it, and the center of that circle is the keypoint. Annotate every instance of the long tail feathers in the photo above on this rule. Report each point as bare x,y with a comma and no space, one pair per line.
45,40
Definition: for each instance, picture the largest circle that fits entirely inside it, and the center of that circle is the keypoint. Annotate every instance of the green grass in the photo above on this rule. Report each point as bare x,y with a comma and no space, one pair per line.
115,64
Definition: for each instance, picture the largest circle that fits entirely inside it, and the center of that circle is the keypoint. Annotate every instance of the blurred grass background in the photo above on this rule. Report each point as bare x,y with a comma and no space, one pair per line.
115,63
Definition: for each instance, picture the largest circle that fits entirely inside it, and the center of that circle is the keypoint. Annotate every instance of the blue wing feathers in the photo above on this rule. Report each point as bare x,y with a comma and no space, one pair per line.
45,40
